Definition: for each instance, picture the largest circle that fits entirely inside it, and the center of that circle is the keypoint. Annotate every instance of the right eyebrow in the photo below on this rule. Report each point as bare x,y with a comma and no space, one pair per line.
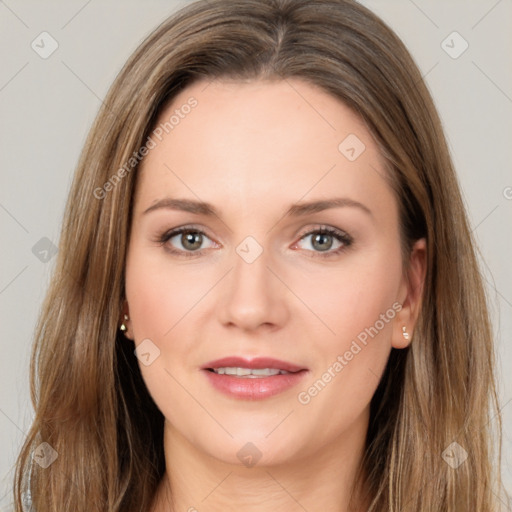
186,205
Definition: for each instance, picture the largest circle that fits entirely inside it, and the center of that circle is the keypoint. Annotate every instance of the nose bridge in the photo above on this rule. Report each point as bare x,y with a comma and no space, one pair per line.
251,276
250,268
253,296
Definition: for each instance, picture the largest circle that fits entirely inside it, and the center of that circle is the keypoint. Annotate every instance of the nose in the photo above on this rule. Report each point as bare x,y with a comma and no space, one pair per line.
253,298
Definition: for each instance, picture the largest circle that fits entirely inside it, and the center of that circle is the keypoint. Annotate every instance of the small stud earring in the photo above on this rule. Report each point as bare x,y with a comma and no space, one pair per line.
405,334
123,325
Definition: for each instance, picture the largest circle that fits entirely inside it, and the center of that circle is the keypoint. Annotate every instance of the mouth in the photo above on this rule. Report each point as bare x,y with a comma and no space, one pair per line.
253,379
249,373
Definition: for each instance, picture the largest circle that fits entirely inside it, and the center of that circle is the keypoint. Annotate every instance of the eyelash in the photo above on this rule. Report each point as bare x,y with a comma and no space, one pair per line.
340,236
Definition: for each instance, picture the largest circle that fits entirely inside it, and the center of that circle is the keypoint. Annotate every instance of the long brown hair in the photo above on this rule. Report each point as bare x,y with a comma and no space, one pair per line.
91,404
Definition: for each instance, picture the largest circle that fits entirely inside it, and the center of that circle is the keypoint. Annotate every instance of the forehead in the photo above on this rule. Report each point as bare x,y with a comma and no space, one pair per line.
244,140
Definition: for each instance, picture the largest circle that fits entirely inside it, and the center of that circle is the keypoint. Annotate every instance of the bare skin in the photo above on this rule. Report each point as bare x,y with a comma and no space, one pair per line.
251,150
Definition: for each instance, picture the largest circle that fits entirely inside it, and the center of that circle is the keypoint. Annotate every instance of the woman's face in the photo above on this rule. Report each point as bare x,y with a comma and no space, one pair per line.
290,262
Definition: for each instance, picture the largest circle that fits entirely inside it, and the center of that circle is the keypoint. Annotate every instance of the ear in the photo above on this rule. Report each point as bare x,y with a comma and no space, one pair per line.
410,295
125,312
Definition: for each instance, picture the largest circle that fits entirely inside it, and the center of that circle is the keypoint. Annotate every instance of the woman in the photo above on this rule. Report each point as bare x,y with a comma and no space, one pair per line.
267,295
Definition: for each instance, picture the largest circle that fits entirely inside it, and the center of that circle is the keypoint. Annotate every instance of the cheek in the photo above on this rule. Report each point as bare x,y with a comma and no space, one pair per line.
353,298
159,294
358,304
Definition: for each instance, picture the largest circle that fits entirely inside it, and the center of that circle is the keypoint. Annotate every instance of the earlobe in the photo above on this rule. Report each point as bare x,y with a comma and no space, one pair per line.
412,289
402,336
125,325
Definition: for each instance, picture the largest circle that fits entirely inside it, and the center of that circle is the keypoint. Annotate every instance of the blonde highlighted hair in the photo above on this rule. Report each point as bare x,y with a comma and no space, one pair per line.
91,404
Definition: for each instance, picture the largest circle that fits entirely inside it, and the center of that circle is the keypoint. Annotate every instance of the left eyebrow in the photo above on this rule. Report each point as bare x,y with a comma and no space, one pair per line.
310,207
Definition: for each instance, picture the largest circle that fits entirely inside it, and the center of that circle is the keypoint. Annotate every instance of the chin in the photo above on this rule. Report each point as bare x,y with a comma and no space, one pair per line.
253,446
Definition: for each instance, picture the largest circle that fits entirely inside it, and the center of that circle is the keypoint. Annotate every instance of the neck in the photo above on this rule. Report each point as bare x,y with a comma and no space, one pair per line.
327,480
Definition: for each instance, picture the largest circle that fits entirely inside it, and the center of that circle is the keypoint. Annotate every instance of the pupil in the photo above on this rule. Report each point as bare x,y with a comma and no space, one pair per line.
324,241
191,241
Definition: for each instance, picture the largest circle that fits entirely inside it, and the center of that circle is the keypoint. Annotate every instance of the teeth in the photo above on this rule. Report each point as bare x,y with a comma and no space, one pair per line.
249,372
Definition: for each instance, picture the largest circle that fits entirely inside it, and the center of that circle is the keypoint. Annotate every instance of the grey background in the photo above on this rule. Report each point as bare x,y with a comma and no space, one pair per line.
48,105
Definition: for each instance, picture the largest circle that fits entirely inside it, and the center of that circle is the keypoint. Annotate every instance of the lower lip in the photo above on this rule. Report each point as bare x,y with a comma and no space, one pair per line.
254,388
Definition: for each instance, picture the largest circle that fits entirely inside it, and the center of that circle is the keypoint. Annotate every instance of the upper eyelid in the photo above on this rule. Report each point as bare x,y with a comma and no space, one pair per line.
308,231
324,227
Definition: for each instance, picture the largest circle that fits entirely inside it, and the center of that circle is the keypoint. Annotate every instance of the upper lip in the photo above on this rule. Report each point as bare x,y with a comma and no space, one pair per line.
255,363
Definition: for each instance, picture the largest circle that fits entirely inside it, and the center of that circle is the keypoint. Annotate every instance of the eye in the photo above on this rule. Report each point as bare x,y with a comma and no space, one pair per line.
325,240
189,241
186,241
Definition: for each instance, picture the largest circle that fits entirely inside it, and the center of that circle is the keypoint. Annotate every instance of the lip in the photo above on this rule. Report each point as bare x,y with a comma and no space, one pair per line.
253,388
256,363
